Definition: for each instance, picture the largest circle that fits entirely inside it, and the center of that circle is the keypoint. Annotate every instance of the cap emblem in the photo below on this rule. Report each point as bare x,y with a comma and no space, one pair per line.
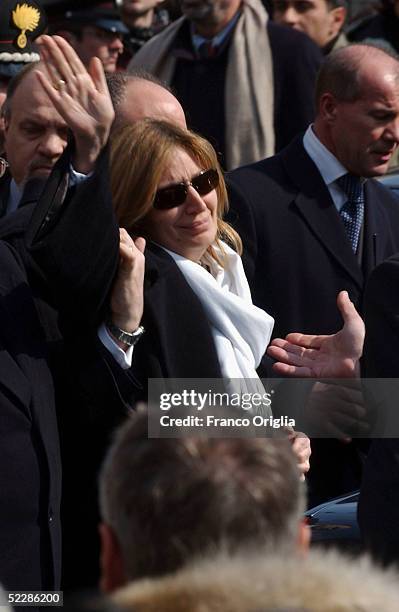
25,18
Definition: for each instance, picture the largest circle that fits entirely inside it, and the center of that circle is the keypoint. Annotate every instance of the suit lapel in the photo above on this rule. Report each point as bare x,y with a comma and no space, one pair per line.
315,205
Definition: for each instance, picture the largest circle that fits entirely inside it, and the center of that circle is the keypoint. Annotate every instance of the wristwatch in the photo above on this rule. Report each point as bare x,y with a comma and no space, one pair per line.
123,336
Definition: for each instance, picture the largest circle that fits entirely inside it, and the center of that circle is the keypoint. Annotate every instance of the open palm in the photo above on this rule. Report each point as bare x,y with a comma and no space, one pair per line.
329,356
80,96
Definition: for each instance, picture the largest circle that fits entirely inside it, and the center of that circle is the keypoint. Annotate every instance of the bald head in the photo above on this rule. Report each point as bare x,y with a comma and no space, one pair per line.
144,99
345,73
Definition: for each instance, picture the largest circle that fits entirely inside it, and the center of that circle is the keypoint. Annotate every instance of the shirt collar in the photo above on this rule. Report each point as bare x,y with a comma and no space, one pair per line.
14,197
328,165
217,40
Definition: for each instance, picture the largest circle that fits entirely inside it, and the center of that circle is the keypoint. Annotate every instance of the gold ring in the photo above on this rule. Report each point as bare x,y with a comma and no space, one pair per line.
59,84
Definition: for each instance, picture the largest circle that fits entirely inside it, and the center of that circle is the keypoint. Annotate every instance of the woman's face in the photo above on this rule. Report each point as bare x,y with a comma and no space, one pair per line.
190,228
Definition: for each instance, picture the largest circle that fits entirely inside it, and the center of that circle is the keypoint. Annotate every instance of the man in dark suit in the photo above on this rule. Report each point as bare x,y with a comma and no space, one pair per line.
30,475
245,83
314,222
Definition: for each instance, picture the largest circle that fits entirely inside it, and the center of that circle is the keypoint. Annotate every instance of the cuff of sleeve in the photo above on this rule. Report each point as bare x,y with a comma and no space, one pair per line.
122,358
77,177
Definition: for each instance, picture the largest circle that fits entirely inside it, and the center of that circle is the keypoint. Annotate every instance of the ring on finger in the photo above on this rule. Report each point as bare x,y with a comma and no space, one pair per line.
58,85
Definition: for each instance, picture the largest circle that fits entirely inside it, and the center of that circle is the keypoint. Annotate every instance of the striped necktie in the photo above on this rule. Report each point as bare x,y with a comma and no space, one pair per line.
352,212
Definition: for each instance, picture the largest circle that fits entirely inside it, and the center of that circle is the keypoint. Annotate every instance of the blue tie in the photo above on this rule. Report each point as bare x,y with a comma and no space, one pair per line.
352,212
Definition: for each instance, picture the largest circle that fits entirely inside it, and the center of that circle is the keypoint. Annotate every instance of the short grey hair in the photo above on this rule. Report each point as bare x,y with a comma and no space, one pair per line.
118,81
169,501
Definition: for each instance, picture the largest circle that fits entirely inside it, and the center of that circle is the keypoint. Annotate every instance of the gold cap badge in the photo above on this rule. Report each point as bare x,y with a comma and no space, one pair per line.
25,18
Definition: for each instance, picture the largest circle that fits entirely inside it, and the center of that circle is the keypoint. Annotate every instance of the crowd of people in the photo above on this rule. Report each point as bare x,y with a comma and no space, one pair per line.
188,191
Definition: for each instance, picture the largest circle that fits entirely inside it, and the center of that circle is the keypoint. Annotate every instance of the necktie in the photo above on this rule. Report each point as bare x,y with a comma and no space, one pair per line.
352,212
206,50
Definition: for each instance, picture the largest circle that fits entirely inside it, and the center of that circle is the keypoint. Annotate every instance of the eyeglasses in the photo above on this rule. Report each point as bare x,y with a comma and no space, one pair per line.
175,195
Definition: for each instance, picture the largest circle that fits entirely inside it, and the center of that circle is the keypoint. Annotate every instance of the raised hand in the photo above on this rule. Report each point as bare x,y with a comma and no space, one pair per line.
333,356
127,302
81,97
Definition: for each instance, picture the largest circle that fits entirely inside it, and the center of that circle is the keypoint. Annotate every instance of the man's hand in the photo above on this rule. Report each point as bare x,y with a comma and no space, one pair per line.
337,411
127,302
334,356
81,97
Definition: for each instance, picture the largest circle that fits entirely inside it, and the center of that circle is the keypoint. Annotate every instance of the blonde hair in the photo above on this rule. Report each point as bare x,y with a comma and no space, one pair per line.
139,156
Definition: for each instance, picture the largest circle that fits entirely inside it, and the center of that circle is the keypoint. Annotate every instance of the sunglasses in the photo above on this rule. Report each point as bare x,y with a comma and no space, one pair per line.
175,195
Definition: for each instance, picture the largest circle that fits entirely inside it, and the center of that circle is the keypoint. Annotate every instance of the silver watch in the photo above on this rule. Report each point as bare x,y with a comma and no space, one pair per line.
123,336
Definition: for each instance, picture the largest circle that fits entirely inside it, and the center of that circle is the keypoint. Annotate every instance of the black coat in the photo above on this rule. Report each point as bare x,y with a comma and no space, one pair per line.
30,474
379,496
92,393
297,258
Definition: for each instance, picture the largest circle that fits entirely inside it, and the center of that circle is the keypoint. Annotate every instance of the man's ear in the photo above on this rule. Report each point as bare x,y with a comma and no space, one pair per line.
328,108
337,18
111,561
303,539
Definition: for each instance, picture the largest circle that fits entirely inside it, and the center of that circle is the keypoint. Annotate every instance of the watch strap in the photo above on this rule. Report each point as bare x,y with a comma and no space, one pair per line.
129,338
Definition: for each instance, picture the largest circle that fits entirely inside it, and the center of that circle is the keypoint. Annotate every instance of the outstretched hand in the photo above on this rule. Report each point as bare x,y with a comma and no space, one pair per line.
80,96
333,356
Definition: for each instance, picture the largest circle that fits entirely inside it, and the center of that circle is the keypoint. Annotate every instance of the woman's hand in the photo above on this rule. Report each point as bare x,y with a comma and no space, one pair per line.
301,447
127,300
334,356
80,96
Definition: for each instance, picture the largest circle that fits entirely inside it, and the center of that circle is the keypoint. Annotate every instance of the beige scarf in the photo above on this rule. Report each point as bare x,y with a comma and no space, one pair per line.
249,83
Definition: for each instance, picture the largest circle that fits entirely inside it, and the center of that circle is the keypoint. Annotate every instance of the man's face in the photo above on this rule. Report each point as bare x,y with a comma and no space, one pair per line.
365,133
95,42
136,8
210,12
313,17
35,134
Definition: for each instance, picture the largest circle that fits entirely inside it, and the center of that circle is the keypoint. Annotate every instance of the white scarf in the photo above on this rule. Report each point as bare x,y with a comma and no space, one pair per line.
240,330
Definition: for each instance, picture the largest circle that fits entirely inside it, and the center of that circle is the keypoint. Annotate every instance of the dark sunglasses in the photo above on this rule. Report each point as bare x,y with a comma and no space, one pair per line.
175,195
